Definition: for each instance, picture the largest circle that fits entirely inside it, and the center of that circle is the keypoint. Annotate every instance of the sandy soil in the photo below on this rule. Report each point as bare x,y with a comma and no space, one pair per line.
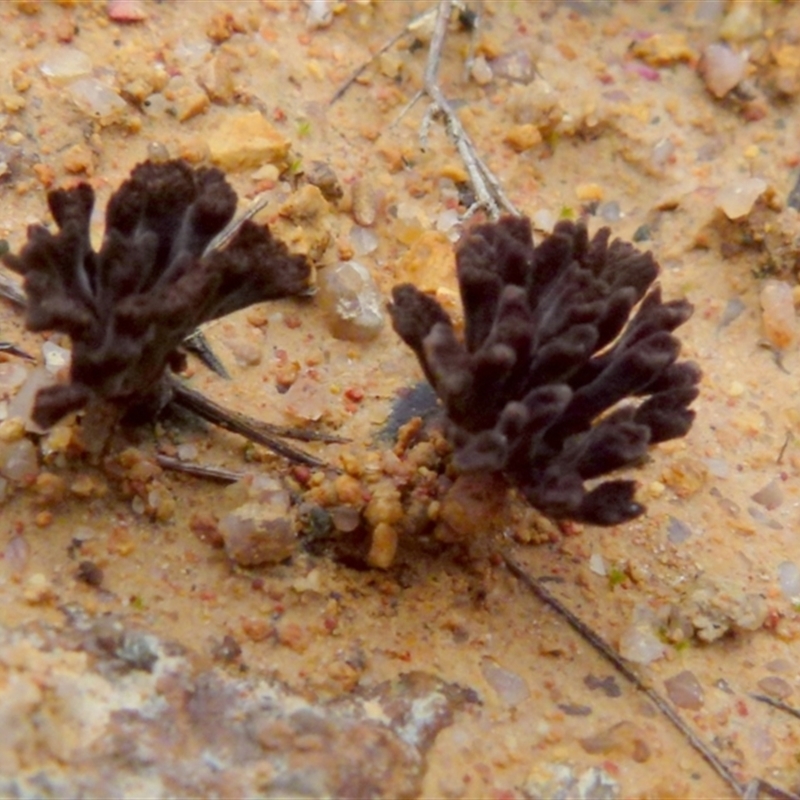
173,671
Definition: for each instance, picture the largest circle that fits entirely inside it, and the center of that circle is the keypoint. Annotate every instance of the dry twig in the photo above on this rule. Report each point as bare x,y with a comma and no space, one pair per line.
489,193
217,474
259,432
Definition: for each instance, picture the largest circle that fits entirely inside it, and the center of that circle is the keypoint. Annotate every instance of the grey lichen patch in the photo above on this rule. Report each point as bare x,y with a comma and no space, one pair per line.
167,727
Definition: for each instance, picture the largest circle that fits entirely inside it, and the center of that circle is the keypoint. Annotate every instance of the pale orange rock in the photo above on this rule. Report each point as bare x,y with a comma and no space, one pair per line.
778,315
246,141
522,137
663,48
429,263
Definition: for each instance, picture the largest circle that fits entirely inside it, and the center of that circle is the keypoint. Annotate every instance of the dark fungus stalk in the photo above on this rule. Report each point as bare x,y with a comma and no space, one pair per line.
554,383
128,307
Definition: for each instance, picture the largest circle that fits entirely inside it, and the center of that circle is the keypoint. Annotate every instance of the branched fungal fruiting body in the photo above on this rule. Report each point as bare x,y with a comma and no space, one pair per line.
549,349
128,307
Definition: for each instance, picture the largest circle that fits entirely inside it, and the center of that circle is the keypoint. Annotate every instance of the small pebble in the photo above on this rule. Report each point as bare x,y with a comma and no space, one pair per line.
721,69
684,690
775,687
447,220
625,738
607,685
307,399
522,137
18,460
718,467
678,531
778,314
481,72
12,430
66,64
126,10
780,665
733,310
640,644
17,554
246,141
736,389
516,66
89,573
597,564
55,357
345,518
610,211
365,203
228,650
663,150
789,580
363,240
762,742
769,496
187,452
319,14
737,199
157,151
544,220
96,100
260,532
321,175
351,301
510,687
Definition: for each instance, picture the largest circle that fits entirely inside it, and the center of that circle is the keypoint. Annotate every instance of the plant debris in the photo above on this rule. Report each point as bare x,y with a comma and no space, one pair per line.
128,307
549,347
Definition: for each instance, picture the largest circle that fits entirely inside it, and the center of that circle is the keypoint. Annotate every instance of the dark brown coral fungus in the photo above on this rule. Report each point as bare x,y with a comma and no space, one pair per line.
549,351
128,307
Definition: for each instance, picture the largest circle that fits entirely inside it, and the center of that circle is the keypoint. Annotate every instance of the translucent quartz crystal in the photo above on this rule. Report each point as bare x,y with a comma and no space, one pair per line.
66,64
738,198
18,460
351,301
96,99
722,68
789,579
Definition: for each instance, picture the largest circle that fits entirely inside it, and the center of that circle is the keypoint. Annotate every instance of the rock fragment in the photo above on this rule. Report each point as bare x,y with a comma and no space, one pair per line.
737,198
246,141
263,530
721,69
351,301
777,313
685,691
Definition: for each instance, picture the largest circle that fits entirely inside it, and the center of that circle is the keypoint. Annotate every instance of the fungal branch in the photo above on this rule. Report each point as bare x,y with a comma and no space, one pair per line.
129,307
567,369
